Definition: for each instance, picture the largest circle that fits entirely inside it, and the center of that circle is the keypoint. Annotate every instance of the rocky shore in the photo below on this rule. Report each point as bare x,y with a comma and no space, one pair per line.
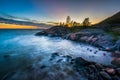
95,37
91,70
65,67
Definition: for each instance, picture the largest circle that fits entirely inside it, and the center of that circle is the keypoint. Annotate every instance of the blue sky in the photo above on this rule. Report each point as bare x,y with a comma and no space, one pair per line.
57,10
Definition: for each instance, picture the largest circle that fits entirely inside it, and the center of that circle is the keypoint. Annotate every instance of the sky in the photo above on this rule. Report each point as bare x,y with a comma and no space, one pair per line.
58,10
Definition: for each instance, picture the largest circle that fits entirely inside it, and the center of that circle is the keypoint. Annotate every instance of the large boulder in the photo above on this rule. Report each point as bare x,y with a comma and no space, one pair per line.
116,61
95,37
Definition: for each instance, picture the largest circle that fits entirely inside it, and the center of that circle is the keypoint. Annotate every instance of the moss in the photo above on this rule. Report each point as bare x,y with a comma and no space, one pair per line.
114,34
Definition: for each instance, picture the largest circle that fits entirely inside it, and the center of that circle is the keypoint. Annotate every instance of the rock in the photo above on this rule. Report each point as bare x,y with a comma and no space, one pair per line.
90,38
59,60
115,78
41,33
95,52
99,66
93,67
81,62
8,75
118,71
54,55
73,36
104,54
108,49
116,54
116,61
43,66
105,75
84,38
94,40
90,50
69,58
110,71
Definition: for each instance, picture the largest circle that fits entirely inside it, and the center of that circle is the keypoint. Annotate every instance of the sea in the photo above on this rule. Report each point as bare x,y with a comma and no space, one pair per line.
22,54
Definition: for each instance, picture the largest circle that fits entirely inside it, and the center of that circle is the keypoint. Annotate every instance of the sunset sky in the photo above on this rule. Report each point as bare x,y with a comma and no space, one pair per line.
14,26
57,10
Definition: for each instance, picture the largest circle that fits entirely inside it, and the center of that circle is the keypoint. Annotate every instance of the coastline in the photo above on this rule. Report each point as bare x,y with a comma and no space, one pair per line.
107,72
93,36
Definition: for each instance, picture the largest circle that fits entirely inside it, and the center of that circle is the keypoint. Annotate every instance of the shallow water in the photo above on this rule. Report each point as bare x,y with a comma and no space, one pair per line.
25,49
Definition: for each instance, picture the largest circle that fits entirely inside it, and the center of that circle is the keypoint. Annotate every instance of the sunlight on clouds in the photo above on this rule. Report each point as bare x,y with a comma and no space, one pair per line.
14,26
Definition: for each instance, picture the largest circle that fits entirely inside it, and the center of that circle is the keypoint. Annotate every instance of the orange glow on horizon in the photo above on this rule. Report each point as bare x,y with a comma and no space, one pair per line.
15,26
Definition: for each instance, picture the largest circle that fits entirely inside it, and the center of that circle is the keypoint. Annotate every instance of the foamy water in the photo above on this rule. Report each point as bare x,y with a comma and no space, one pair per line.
25,50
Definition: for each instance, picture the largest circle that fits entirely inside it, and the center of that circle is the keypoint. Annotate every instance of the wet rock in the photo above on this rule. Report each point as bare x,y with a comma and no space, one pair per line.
54,55
69,58
41,33
105,75
90,50
118,71
81,62
93,67
116,61
59,60
72,61
95,52
115,78
83,38
73,36
43,66
99,66
8,75
116,54
108,49
104,54
110,71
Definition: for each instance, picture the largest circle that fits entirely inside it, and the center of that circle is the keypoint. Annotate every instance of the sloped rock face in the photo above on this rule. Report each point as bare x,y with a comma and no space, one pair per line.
100,39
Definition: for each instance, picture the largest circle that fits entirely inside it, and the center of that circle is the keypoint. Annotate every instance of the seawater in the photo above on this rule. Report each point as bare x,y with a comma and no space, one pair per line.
24,49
